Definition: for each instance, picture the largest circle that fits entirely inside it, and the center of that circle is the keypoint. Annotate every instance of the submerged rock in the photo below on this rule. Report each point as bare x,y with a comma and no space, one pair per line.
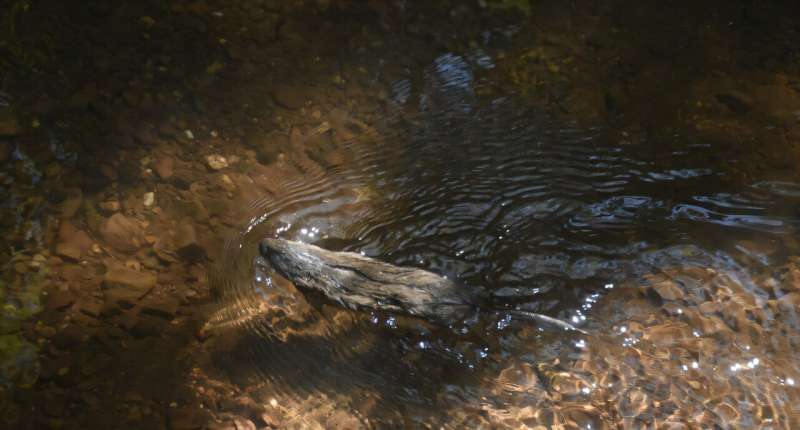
289,96
73,243
268,146
186,243
122,277
163,249
148,199
69,251
147,326
110,206
791,280
59,300
164,167
216,162
164,307
125,286
68,337
122,233
668,290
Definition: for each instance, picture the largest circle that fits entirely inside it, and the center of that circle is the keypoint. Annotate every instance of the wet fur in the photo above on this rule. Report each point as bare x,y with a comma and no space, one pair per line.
361,283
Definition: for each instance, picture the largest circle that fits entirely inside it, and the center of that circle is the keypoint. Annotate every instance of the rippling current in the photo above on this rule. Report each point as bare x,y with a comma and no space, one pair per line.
674,269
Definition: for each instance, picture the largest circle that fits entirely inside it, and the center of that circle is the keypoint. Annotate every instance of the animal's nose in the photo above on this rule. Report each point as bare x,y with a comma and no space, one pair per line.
265,247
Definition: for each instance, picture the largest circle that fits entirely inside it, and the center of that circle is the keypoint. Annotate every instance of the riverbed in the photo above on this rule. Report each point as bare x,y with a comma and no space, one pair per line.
631,170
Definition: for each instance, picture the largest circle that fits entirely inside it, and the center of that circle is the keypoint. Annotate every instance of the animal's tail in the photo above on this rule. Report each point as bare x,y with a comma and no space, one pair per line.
543,319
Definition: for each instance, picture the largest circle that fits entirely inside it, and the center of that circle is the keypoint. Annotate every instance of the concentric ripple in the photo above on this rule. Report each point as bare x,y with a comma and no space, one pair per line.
670,266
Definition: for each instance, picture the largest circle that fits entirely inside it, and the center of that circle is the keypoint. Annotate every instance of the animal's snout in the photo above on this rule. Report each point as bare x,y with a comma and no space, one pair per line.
280,252
265,247
272,246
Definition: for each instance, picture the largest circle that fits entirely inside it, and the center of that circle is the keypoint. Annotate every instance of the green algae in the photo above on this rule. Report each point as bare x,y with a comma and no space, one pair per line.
19,366
18,361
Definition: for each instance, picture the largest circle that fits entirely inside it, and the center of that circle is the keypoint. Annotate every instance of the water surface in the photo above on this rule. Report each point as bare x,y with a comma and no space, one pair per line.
673,265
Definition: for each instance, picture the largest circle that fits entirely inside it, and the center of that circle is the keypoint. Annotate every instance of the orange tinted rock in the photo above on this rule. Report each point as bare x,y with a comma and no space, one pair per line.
68,251
73,243
668,290
59,300
122,233
122,277
164,167
710,307
186,243
791,281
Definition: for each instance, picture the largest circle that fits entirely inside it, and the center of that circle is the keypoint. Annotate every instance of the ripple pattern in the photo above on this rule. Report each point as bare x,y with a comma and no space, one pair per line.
545,216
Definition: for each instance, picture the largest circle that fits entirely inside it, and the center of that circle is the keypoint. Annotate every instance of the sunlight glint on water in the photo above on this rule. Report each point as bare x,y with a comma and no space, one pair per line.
673,270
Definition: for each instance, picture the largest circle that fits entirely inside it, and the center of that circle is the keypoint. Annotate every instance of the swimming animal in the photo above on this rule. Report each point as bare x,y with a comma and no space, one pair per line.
362,283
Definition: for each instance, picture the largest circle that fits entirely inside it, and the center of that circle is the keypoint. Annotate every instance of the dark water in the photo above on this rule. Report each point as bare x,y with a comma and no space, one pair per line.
628,167
648,242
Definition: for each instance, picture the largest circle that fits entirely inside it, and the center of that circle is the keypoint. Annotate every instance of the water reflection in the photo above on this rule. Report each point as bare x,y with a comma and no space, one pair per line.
652,258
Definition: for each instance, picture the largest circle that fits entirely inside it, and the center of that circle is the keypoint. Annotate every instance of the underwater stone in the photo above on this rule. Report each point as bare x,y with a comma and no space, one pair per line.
122,233
216,162
126,286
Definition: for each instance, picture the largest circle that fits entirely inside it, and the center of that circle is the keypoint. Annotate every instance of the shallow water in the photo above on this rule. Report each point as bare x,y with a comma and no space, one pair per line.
649,246
628,168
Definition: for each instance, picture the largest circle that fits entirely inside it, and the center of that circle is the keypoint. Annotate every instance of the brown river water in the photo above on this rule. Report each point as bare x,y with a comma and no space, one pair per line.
630,169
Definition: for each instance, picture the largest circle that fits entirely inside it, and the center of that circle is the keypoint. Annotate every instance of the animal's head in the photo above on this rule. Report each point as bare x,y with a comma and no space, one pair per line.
289,258
308,266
